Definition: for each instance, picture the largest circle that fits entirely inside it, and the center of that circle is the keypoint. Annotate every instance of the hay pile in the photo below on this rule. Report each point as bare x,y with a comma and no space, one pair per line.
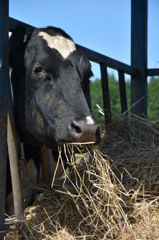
133,145
111,193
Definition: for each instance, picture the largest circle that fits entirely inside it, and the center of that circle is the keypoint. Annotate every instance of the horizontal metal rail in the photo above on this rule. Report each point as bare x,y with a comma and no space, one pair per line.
110,62
92,55
153,72
13,23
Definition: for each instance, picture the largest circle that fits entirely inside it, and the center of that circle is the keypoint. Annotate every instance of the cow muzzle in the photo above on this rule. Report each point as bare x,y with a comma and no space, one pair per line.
84,133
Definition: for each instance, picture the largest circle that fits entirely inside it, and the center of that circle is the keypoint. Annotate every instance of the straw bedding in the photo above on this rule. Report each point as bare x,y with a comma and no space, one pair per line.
112,192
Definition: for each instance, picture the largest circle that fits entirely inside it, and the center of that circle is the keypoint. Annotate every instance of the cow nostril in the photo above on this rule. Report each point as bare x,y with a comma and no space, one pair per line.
75,127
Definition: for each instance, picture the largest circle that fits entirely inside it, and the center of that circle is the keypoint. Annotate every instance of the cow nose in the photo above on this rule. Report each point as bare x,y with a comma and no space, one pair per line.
82,132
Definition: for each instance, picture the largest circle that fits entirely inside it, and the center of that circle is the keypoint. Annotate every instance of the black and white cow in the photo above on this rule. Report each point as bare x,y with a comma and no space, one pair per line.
49,78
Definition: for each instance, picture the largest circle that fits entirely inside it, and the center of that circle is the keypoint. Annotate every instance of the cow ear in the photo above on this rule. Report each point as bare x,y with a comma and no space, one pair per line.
85,72
84,67
17,49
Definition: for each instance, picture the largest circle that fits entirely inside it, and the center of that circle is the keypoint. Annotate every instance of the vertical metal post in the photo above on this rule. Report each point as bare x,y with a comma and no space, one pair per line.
122,89
139,56
4,27
105,90
45,164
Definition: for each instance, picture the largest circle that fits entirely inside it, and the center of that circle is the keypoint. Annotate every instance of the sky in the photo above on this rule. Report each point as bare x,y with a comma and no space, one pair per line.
101,25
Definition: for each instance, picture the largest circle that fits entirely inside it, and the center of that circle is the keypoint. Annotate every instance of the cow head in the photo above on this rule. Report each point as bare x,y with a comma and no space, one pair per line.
49,78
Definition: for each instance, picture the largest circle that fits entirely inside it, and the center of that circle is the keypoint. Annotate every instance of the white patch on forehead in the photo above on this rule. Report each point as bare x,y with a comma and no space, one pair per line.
63,45
89,120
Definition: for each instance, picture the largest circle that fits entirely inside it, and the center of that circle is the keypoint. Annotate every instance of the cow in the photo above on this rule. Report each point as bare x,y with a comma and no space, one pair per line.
49,80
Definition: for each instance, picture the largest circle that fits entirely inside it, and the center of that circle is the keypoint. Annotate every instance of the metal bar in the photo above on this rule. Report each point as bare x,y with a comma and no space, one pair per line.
45,164
14,159
13,23
122,88
139,56
4,66
153,72
92,55
110,62
105,90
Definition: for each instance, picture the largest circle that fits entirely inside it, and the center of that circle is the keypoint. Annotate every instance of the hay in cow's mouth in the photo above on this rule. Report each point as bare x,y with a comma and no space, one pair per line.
112,192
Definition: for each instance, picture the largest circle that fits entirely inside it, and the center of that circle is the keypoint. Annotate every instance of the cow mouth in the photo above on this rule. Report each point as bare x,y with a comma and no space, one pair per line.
79,143
79,148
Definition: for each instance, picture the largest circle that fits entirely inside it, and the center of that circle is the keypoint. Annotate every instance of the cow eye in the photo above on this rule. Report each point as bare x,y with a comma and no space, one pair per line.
38,69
